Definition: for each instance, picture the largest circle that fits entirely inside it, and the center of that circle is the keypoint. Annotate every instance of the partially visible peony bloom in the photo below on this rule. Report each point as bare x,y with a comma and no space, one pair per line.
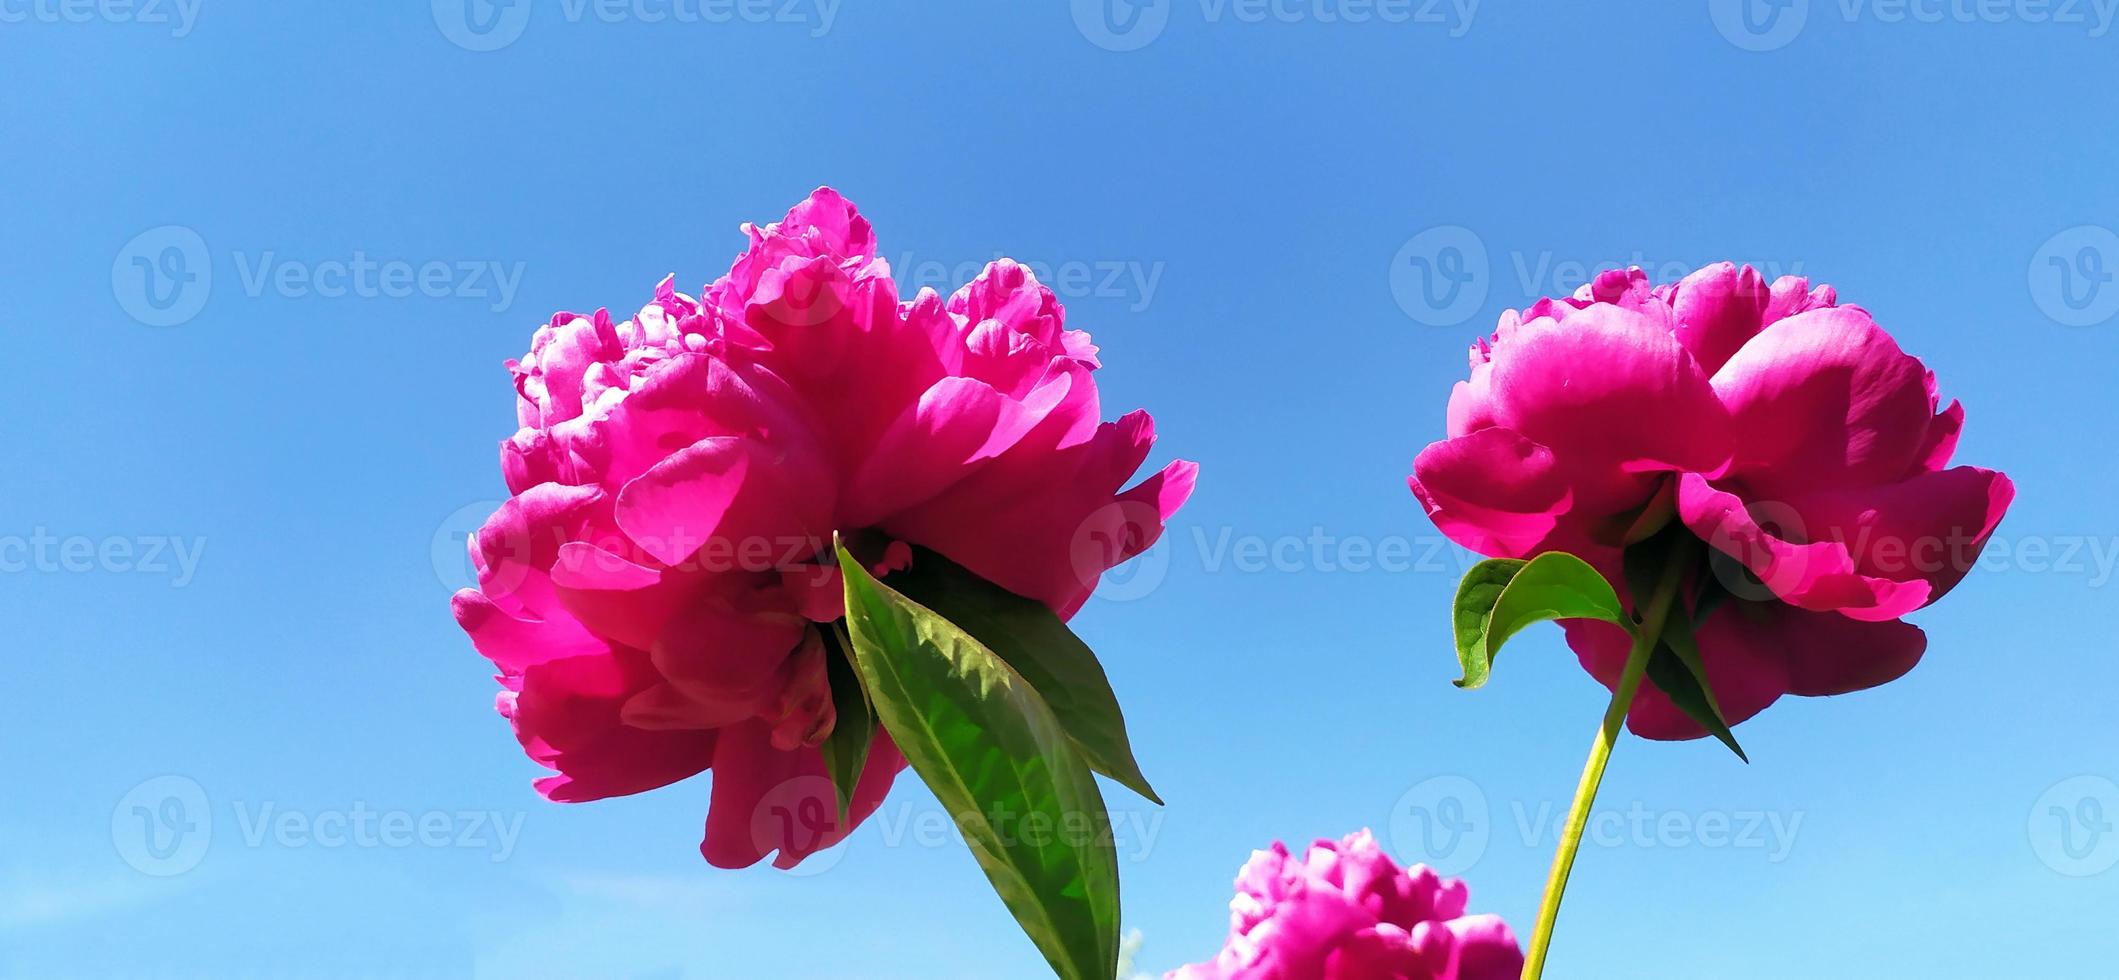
655,593
1578,415
1833,513
1346,911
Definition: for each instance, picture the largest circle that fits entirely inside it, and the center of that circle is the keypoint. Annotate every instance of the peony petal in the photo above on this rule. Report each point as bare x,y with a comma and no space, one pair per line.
1830,654
1824,400
1796,559
767,800
514,644
1585,387
1941,442
1493,491
567,716
1929,529
1718,308
1746,678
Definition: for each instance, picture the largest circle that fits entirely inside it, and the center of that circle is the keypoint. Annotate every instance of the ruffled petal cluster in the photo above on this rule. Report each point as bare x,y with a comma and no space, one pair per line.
1345,911
656,592
1787,431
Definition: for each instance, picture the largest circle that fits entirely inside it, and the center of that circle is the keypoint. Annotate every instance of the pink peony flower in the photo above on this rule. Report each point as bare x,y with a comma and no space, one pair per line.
1831,500
1577,414
653,592
1346,911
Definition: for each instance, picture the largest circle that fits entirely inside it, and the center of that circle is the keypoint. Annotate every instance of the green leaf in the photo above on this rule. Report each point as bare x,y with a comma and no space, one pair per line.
1677,670
846,748
994,754
1037,643
1501,596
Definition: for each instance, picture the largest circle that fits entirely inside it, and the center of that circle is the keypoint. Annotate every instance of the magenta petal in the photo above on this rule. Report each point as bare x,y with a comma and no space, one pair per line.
1830,654
514,551
1824,399
1492,491
1941,443
1929,529
567,716
1799,561
672,509
957,423
1486,949
514,644
1718,308
1746,677
1584,387
714,652
767,800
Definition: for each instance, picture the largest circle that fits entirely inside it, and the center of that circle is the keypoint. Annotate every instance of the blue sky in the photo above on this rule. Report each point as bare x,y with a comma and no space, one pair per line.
229,518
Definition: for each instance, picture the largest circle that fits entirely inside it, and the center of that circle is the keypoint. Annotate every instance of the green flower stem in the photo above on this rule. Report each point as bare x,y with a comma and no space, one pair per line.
1646,636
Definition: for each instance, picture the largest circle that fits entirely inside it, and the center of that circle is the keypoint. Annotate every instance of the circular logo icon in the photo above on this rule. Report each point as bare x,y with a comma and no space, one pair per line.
1733,552
482,25
163,826
1121,25
1442,823
798,816
2074,826
1440,277
450,550
162,277
1107,551
1759,25
2072,276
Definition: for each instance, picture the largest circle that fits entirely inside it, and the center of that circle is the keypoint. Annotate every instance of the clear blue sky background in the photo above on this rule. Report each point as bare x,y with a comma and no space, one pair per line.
330,450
